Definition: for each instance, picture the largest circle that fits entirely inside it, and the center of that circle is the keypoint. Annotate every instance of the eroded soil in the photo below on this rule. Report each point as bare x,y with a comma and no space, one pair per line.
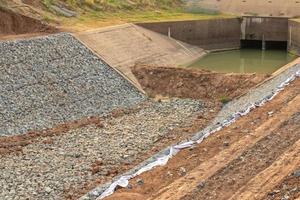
207,85
289,188
248,160
14,25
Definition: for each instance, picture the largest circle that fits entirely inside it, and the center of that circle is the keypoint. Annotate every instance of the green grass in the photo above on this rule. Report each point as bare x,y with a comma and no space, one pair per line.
117,5
155,15
94,19
99,13
47,3
224,99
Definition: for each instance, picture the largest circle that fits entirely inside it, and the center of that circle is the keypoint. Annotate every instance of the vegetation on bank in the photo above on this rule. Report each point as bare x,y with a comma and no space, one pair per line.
93,20
99,13
114,5
79,15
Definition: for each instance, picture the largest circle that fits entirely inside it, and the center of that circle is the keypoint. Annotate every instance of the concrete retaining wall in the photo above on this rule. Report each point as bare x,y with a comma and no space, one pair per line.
269,28
223,33
294,37
208,34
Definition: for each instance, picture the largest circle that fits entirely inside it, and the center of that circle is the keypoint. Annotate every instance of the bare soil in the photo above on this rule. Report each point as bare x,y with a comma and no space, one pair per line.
34,3
243,161
289,187
12,23
205,85
14,144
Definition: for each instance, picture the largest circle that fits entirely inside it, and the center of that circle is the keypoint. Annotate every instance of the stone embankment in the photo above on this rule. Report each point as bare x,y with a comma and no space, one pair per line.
69,121
67,165
54,79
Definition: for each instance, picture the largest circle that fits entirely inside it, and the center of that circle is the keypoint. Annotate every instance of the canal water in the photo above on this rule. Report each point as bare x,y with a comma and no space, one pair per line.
244,61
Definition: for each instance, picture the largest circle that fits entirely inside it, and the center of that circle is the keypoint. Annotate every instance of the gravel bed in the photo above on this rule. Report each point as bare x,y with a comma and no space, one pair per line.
46,169
53,79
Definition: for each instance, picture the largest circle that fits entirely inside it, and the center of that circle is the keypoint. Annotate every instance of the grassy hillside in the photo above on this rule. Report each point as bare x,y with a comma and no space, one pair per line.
79,15
114,5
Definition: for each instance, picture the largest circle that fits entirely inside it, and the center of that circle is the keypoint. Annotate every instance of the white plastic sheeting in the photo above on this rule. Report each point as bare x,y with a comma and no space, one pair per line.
123,181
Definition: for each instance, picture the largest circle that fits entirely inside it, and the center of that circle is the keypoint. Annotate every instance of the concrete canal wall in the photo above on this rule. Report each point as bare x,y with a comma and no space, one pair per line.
294,37
264,28
223,33
208,34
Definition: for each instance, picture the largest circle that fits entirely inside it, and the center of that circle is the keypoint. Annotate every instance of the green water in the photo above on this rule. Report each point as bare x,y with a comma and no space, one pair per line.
244,61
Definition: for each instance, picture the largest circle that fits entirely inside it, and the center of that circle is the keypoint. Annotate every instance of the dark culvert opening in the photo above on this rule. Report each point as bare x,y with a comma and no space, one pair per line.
258,44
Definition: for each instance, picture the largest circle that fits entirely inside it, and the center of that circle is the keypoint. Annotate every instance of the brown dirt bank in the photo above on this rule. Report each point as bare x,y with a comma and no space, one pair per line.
13,144
288,188
195,84
224,164
13,24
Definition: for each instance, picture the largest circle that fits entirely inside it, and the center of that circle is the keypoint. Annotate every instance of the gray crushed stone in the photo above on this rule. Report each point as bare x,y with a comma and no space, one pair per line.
47,170
53,79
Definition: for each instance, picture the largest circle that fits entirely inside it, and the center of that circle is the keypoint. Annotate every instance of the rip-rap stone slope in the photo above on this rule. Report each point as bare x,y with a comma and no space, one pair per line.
50,80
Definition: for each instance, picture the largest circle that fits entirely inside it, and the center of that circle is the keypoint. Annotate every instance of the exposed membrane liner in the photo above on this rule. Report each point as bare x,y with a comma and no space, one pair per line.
163,157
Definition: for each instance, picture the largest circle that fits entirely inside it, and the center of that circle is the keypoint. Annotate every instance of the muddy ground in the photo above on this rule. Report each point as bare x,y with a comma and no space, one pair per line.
255,158
192,83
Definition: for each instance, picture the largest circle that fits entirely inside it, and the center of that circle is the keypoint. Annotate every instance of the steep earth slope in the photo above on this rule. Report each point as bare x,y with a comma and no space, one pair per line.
12,23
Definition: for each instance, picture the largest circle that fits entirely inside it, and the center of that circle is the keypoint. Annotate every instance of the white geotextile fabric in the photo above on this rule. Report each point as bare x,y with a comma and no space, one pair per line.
173,150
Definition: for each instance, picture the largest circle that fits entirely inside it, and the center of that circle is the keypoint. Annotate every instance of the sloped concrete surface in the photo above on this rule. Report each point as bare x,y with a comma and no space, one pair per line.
125,45
53,79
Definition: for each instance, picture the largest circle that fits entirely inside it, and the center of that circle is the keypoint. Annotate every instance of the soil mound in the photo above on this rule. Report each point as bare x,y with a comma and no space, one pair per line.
14,23
195,84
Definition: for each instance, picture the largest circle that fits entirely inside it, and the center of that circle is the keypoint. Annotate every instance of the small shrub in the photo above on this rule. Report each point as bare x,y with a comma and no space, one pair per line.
225,99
